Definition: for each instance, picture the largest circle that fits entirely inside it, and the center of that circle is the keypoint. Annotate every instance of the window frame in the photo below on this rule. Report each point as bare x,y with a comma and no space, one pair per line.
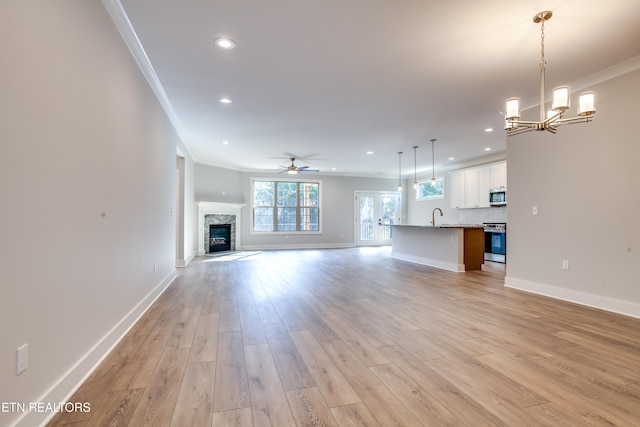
298,207
428,181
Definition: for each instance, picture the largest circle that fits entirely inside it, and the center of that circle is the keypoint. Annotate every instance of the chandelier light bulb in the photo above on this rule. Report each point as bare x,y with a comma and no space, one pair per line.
587,104
560,98
513,109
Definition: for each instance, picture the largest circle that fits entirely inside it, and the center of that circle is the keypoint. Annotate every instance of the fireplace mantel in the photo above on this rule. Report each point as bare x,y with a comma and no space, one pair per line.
213,208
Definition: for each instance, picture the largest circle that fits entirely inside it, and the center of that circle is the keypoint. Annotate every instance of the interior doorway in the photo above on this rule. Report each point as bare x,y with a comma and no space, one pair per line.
178,212
376,212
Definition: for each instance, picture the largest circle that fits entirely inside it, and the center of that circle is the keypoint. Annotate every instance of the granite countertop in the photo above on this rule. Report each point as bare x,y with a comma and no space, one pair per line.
441,226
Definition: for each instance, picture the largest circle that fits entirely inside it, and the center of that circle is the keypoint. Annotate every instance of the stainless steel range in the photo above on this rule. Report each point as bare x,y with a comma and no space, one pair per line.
495,241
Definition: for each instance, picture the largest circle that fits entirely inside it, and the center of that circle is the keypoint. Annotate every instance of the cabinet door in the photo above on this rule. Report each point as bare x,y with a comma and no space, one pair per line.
471,196
499,175
484,185
457,190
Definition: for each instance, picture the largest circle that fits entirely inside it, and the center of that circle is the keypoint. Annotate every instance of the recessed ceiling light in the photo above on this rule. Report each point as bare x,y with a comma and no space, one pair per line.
225,142
225,100
452,158
369,152
487,149
488,130
224,43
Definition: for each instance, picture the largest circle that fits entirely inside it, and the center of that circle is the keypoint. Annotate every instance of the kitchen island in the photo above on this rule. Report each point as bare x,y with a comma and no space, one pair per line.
453,247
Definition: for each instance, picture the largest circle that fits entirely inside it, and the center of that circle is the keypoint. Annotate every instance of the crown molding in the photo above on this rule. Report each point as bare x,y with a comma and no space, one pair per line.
128,34
601,76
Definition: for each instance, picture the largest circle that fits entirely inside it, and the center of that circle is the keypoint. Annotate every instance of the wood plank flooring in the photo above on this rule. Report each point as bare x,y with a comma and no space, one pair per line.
350,337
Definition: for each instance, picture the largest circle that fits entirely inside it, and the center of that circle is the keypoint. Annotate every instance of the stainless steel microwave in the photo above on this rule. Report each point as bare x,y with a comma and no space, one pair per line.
498,196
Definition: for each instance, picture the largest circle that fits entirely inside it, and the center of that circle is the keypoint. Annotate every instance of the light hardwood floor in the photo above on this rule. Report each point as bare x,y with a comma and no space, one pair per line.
352,337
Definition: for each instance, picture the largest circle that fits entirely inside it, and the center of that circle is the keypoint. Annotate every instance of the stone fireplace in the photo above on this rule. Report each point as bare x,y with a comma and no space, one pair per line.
214,217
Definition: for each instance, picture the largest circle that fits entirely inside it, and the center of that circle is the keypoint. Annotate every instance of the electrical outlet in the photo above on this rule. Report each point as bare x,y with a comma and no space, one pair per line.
534,210
22,358
565,264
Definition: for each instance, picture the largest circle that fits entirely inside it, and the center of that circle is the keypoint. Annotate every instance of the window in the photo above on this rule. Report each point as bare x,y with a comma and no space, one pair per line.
426,191
285,206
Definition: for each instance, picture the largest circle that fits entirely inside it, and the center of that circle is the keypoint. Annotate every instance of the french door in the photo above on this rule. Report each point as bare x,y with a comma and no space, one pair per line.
376,212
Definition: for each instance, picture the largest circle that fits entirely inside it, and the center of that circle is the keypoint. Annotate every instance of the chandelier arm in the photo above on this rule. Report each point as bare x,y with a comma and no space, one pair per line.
524,122
519,131
574,120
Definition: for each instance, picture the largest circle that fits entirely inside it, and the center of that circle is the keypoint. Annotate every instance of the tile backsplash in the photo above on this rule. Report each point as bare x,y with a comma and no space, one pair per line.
480,215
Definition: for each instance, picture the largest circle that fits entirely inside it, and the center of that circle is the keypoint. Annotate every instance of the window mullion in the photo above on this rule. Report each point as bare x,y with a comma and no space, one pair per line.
298,210
275,206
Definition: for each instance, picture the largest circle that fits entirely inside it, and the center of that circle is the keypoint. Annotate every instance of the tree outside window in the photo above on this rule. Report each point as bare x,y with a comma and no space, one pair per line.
428,191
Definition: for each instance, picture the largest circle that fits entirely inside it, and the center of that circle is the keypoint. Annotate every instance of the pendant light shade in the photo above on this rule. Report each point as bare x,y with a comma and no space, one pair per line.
415,170
433,163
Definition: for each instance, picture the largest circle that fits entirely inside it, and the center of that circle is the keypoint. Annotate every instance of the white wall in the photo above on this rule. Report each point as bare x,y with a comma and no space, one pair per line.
214,184
87,183
583,181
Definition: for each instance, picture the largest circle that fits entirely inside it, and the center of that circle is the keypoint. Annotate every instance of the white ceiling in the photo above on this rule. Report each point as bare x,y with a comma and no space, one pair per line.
329,80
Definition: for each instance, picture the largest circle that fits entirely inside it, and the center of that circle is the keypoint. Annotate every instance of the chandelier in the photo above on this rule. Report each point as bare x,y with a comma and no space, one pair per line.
554,117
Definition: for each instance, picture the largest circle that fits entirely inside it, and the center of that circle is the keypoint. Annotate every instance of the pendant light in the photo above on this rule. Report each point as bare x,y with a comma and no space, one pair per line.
433,164
555,117
399,170
415,157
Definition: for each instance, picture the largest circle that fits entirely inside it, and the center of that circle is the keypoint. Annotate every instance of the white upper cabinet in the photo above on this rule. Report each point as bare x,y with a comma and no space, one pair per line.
470,187
457,190
499,175
484,185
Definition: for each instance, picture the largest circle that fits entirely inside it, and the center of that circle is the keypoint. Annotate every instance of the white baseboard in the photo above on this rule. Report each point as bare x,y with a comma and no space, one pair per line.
458,268
590,300
297,246
71,380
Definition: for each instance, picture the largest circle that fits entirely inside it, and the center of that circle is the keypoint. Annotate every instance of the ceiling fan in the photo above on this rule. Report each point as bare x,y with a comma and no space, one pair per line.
293,169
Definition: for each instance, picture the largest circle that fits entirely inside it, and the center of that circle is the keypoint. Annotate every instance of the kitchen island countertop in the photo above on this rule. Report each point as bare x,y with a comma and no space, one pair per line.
441,225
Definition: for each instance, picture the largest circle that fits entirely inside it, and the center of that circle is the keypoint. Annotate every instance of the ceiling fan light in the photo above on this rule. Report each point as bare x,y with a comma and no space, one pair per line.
292,171
587,104
513,109
560,99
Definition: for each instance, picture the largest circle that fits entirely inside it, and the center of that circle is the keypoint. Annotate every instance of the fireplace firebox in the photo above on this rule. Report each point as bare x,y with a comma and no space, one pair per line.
219,237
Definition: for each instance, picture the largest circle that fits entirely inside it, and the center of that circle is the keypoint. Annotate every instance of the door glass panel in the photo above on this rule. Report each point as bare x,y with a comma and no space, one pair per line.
388,212
366,218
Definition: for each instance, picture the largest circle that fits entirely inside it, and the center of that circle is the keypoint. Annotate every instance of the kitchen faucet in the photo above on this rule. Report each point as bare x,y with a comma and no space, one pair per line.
433,216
